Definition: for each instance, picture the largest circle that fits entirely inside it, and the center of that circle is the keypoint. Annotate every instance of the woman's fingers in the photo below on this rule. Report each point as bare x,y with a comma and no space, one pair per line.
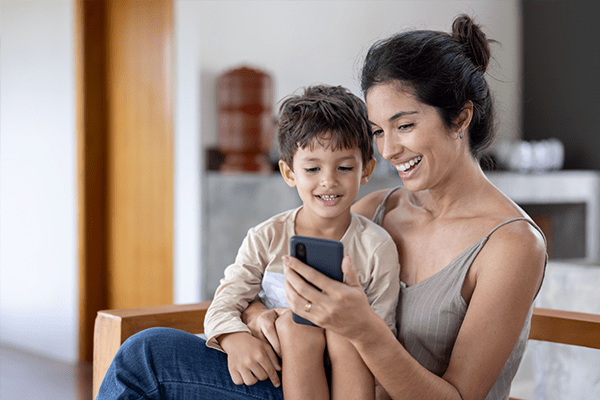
269,332
295,274
301,270
261,323
299,293
332,308
310,274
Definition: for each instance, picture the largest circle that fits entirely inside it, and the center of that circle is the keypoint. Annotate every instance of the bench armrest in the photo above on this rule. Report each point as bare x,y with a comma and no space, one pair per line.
113,327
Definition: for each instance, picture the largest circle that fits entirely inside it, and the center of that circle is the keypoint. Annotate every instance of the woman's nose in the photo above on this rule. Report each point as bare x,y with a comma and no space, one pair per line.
388,147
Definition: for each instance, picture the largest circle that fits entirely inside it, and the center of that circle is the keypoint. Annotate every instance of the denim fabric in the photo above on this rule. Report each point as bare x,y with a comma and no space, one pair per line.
163,363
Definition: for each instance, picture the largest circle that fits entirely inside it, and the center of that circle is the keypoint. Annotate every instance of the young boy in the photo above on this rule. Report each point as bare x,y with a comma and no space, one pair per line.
326,153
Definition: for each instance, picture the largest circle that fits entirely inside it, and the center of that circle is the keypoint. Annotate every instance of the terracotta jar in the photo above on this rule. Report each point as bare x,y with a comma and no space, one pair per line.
245,119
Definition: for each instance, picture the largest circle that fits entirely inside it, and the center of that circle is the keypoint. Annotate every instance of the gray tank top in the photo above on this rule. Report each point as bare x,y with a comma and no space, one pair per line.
431,312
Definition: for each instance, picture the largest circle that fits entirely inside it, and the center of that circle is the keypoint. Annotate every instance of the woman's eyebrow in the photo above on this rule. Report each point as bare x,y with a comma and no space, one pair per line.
396,116
401,114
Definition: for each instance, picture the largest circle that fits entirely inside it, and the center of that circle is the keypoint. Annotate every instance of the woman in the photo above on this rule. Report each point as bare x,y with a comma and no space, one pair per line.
472,261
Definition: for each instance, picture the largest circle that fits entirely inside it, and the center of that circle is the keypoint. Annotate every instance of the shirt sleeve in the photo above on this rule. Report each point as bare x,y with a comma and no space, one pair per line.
383,290
239,287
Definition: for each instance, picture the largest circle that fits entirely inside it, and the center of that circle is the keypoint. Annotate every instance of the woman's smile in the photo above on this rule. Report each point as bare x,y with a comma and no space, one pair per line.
409,166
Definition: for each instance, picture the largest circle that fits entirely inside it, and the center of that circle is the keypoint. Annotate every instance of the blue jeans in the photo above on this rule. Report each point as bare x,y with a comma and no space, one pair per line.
163,363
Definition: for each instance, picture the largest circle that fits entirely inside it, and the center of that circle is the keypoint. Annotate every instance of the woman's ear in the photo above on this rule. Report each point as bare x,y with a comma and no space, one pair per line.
368,171
287,173
464,118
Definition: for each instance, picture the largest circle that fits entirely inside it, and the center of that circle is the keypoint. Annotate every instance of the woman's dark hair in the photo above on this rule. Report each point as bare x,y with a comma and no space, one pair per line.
443,70
328,114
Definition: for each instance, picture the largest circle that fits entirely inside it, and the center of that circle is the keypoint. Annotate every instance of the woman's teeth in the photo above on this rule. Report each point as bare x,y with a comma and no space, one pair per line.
407,165
328,197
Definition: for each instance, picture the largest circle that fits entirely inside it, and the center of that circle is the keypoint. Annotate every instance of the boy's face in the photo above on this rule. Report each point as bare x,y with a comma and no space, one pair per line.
327,180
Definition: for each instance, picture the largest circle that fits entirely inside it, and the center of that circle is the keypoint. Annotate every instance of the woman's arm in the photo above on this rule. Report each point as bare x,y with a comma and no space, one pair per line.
508,273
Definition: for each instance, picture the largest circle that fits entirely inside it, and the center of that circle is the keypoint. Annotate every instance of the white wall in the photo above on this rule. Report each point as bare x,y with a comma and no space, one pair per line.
38,228
304,42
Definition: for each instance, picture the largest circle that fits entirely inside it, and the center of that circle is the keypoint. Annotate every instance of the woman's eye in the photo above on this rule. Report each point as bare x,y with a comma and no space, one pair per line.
405,127
378,132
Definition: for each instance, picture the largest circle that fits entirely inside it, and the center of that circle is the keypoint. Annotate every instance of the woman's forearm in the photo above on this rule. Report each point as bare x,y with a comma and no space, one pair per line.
396,370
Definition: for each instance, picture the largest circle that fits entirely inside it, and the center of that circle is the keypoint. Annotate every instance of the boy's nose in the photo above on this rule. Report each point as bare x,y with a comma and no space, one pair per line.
329,180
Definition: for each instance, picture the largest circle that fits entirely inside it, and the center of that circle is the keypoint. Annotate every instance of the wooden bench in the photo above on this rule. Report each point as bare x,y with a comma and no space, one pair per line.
113,327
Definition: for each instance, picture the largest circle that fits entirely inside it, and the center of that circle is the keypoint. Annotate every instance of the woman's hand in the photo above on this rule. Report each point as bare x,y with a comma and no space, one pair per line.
261,323
342,308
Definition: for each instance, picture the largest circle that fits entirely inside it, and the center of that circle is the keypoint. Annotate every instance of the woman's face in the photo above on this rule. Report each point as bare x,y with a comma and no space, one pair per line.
412,136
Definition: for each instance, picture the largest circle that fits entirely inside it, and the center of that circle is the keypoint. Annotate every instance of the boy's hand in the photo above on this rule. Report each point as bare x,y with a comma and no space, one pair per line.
250,359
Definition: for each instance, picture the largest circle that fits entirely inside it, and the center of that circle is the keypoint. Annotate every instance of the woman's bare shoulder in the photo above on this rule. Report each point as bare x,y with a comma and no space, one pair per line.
367,205
515,249
517,235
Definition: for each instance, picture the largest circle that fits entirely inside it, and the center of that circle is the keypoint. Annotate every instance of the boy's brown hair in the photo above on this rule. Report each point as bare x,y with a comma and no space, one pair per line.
332,115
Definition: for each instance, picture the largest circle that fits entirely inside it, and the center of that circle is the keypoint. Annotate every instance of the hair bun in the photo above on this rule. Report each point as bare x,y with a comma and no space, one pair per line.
471,37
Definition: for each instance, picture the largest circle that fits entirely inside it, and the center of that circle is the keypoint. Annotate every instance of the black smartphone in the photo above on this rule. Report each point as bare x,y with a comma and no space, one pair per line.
324,255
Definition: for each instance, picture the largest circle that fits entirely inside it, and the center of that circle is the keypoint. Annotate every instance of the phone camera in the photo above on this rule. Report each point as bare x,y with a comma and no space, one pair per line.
301,252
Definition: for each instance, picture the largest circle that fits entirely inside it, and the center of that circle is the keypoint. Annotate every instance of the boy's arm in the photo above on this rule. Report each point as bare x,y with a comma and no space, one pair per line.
249,359
384,288
240,286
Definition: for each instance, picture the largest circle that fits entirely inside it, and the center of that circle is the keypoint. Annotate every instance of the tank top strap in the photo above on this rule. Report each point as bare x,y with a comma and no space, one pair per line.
461,264
537,228
380,210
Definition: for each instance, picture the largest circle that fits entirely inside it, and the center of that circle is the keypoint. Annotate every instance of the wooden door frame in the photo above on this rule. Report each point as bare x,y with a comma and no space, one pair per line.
124,120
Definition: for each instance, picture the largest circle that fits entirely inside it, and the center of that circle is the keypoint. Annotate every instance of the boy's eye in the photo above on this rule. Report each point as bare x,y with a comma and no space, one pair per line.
313,169
346,169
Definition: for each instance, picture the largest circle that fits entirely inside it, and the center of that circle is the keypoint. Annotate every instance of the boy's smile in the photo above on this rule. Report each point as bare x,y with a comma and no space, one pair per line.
327,181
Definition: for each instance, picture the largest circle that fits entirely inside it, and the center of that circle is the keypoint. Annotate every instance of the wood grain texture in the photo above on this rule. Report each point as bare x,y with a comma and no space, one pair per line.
90,55
579,329
125,156
140,147
113,327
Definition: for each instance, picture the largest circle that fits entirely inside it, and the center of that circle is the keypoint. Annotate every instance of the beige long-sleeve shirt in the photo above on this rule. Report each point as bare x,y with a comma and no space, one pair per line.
258,271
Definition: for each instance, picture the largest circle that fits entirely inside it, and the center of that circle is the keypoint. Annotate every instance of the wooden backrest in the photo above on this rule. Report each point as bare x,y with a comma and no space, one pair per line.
566,327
